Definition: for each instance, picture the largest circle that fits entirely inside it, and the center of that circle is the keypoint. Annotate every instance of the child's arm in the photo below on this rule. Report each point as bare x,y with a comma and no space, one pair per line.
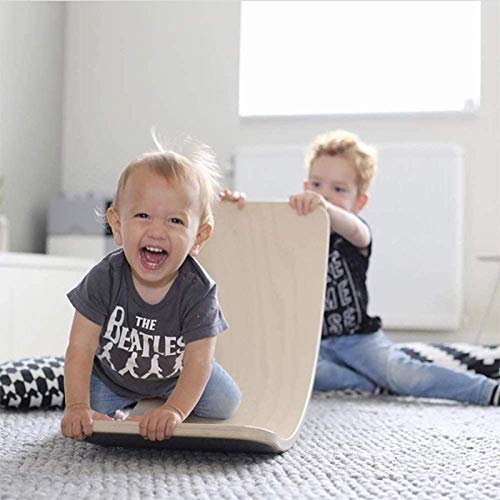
159,424
83,343
342,222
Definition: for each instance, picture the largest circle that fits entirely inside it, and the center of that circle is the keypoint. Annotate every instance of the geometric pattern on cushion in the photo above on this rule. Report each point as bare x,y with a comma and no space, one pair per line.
32,383
483,359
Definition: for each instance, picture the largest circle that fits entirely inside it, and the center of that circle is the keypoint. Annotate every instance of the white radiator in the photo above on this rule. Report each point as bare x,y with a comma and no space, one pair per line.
415,212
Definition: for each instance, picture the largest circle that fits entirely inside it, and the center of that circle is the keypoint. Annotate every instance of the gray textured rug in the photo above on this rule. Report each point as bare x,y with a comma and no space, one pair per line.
349,447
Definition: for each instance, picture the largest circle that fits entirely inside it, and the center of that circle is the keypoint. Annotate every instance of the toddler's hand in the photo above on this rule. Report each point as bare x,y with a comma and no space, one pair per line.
236,197
158,424
306,202
77,422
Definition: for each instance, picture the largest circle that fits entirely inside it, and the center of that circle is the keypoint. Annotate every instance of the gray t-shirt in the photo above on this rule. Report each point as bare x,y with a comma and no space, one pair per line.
141,346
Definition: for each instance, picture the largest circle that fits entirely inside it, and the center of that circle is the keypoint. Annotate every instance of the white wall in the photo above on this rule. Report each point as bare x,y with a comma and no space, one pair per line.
31,85
130,66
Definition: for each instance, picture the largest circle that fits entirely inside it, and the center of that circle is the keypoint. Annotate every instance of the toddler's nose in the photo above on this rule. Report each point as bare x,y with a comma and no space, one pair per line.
157,230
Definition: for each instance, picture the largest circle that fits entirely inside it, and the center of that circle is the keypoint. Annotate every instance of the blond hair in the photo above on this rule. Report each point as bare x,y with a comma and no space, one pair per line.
361,156
199,170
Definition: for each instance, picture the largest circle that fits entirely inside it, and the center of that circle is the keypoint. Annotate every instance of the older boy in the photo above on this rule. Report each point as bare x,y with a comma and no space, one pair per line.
355,353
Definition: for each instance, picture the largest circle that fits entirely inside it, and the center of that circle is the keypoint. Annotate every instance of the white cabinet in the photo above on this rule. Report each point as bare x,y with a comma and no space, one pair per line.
34,311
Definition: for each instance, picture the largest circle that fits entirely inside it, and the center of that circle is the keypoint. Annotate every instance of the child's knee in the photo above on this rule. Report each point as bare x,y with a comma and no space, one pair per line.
228,407
409,377
222,405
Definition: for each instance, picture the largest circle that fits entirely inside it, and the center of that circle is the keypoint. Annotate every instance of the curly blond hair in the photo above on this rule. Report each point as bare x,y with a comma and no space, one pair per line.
361,156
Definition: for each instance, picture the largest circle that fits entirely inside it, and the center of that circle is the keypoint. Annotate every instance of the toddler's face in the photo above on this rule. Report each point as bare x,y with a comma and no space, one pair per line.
336,180
157,224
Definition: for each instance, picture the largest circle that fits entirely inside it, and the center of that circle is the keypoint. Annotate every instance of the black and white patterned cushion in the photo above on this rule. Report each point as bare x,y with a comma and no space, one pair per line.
484,359
32,383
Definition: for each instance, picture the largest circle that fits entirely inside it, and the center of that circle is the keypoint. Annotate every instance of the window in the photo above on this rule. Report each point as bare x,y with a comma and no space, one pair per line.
314,57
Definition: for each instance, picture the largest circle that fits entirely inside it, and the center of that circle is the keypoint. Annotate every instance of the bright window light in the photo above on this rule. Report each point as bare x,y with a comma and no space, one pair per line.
316,58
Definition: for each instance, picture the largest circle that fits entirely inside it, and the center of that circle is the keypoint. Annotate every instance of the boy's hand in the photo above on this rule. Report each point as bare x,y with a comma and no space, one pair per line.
304,203
77,422
236,197
158,424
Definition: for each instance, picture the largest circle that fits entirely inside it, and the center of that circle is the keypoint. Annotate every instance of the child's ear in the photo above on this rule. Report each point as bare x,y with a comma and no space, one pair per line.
114,222
361,202
202,236
305,185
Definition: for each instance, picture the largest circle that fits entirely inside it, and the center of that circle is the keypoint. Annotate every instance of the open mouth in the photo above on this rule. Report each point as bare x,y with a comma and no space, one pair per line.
152,257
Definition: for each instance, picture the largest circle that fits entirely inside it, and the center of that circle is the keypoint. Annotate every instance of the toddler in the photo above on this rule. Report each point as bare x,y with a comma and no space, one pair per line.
147,315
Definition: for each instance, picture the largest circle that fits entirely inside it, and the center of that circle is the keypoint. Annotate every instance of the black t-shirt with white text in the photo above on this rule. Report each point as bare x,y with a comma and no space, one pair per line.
346,299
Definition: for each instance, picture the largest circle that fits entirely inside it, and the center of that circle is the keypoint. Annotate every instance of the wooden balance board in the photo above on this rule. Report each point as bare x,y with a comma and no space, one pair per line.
269,265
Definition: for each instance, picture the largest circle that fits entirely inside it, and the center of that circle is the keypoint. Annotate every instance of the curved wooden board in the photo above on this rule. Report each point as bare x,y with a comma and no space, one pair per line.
269,265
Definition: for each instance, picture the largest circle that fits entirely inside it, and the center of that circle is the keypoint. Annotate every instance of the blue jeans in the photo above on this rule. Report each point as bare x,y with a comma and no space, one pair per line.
363,362
220,398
